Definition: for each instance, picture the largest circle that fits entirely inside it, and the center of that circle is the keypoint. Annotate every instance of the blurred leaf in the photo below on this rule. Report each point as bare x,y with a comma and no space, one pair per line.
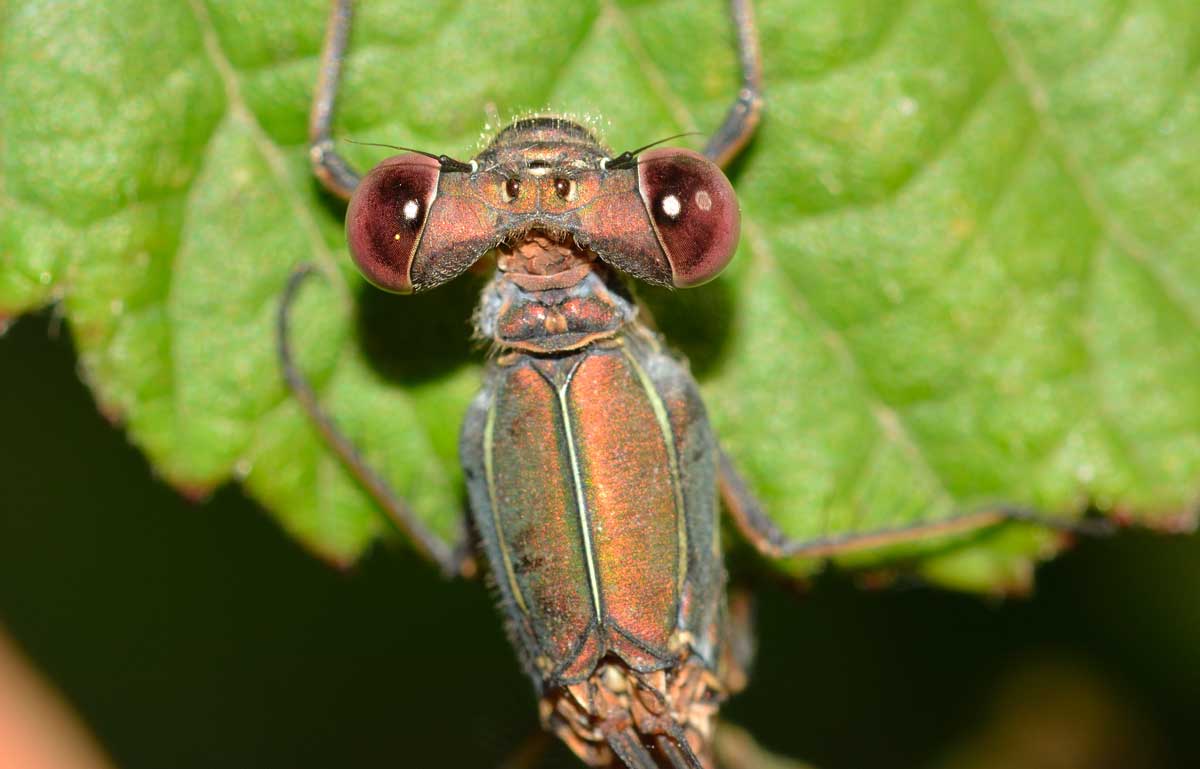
968,272
1057,714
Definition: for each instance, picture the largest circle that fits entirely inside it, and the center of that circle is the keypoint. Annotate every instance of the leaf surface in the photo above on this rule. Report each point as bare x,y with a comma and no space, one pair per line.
968,273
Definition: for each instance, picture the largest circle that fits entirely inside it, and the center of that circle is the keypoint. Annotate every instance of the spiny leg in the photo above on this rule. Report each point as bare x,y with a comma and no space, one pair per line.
328,165
761,531
678,752
627,746
743,115
453,559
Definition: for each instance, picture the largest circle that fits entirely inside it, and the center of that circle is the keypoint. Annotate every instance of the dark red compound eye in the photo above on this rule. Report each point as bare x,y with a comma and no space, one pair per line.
694,210
386,218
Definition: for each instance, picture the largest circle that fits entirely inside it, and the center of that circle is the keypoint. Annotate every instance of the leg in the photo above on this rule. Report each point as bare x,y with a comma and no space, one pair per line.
627,746
678,752
330,168
453,559
757,527
743,115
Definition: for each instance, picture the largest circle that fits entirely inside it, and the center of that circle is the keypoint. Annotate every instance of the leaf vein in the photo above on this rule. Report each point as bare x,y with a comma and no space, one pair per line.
945,145
271,153
239,111
889,423
649,69
1014,171
560,70
921,168
1038,97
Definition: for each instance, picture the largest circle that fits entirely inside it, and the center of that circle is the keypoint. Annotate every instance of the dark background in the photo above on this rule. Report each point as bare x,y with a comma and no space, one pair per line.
198,635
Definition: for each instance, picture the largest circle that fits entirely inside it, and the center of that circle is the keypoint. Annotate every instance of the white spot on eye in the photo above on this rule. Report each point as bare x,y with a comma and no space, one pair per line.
703,200
671,206
411,209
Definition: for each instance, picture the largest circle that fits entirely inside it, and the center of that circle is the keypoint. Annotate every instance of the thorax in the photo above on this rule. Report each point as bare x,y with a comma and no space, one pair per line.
551,296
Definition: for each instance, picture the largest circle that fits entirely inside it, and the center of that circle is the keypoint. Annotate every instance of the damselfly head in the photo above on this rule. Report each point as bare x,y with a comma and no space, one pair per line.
665,216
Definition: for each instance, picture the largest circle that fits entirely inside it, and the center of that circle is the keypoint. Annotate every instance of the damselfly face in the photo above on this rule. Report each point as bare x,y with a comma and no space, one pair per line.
665,216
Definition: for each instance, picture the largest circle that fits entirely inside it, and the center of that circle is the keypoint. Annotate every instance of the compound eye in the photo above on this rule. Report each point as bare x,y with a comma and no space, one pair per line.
694,210
387,216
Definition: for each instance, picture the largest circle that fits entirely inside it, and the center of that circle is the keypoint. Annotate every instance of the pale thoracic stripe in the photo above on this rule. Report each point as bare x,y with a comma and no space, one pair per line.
489,431
580,502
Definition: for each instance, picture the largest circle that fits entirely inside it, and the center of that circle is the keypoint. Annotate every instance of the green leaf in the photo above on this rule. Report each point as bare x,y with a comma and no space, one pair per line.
968,273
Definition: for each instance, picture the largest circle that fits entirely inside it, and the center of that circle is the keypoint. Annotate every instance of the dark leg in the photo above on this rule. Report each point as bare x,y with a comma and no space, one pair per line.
330,168
757,527
629,749
453,559
743,115
678,752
